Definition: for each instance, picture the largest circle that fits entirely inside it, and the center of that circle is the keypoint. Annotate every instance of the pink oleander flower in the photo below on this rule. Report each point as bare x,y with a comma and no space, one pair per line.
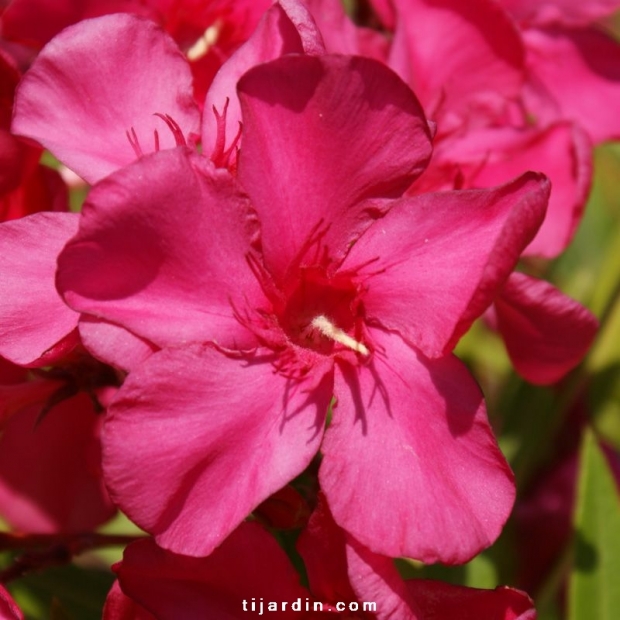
207,31
301,279
572,64
481,142
345,580
94,82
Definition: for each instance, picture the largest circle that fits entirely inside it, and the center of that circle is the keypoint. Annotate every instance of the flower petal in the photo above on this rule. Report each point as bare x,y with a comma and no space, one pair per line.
319,139
161,251
215,586
34,317
410,436
50,472
565,12
444,600
276,35
562,152
188,461
436,261
99,80
578,69
546,333
112,344
468,54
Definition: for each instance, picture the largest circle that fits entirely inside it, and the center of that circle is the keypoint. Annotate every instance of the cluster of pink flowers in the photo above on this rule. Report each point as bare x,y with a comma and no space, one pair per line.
293,219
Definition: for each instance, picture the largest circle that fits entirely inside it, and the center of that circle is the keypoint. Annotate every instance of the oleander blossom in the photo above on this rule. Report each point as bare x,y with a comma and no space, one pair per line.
303,279
344,579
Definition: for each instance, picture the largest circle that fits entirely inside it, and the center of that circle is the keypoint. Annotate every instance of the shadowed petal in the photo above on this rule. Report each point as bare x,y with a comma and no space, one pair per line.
162,250
578,69
410,438
213,587
436,261
50,472
446,601
196,440
278,33
320,137
468,54
546,333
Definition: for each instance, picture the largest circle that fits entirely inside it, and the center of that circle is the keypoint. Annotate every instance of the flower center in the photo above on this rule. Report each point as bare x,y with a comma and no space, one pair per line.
329,330
324,313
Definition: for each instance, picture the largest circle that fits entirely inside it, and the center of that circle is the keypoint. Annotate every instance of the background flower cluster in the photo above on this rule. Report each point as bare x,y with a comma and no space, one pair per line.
310,301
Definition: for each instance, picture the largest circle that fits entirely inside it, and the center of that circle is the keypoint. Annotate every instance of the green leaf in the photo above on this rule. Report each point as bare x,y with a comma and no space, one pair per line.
76,592
594,589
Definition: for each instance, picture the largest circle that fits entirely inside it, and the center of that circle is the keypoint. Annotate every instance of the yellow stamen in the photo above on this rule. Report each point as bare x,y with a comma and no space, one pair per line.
205,41
329,330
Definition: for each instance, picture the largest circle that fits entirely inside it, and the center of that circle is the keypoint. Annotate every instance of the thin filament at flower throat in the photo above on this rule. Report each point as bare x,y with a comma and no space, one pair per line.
329,330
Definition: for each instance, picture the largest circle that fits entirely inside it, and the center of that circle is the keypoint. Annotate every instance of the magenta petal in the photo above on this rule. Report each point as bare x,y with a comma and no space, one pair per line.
196,440
410,437
322,548
565,12
319,138
436,261
562,152
8,608
276,35
212,588
33,316
50,472
546,333
444,601
375,578
113,344
98,80
119,606
162,251
579,69
466,54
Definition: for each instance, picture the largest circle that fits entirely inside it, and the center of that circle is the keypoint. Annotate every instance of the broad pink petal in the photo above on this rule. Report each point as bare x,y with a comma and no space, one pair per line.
565,12
162,251
279,32
173,586
50,472
546,333
112,344
444,601
33,315
98,80
410,437
195,440
580,71
562,152
319,138
436,261
457,55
